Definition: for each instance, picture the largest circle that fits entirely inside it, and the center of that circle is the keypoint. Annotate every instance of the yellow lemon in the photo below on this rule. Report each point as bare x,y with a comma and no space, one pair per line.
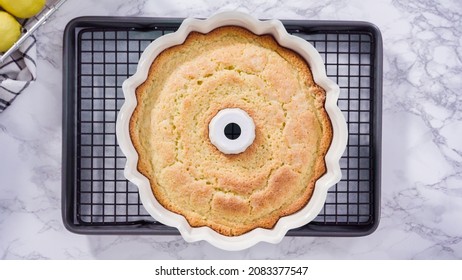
10,31
23,8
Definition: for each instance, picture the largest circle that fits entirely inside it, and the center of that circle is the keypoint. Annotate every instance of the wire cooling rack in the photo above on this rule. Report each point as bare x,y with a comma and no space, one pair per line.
101,52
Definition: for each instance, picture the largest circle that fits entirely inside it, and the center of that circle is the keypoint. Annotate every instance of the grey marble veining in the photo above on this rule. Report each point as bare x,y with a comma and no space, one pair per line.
422,140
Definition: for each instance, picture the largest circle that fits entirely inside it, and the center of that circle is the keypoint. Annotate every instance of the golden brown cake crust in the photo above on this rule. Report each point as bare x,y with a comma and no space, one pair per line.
187,86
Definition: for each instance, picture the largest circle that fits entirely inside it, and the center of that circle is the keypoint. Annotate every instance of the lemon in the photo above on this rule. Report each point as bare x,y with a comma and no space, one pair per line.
23,8
10,31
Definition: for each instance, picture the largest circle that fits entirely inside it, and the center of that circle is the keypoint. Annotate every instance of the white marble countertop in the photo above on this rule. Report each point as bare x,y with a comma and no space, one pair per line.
422,140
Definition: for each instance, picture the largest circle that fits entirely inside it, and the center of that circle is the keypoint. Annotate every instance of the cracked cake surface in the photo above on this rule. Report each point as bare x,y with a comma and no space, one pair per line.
187,86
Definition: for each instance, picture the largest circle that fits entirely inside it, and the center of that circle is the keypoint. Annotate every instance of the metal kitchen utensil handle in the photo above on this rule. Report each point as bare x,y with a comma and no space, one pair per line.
43,16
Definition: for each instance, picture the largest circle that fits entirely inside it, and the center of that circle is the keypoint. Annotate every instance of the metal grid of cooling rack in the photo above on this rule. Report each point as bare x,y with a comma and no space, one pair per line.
349,62
101,200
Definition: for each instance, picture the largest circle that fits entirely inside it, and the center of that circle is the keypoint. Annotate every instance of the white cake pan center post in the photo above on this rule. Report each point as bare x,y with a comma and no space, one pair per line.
232,131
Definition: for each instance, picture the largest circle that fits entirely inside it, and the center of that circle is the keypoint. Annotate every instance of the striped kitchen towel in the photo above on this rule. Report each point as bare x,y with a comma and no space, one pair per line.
17,72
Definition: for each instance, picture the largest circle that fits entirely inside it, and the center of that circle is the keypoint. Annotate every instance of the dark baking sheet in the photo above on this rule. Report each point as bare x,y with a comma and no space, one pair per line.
101,52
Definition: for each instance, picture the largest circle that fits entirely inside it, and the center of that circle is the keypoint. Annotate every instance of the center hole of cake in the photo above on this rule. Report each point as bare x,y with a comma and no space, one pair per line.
232,131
